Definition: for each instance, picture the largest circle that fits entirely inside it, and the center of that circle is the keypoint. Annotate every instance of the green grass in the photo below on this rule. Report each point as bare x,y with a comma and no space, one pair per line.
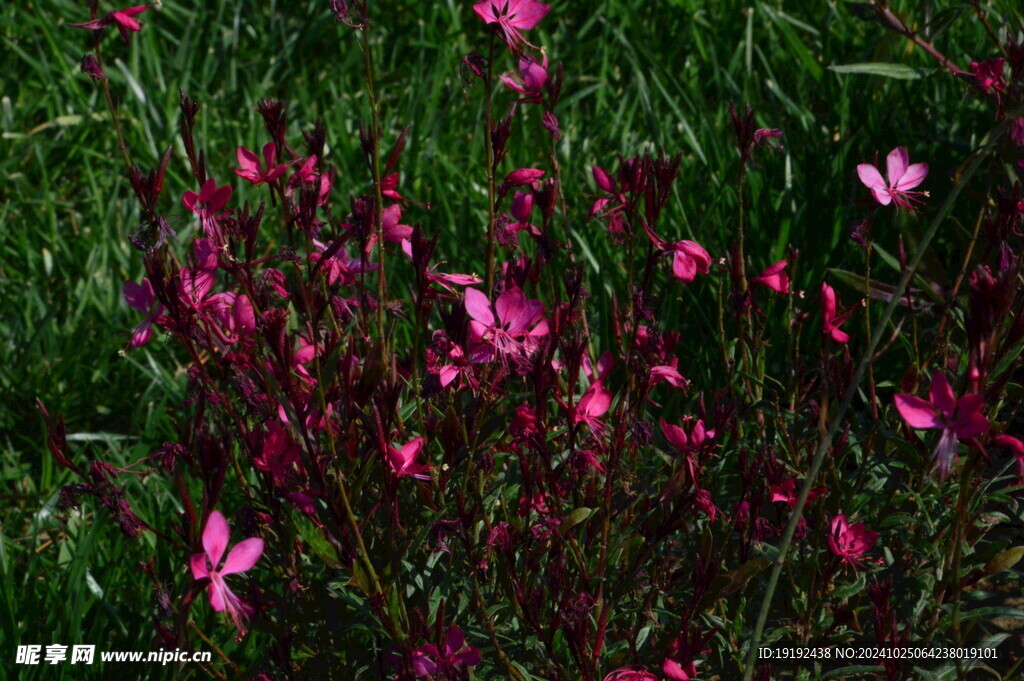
639,75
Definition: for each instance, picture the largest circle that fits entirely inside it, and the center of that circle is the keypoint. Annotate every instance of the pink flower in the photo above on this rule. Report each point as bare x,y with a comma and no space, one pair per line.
830,319
442,279
631,673
240,559
594,404
512,17
126,24
989,74
210,201
513,328
786,492
339,267
958,419
278,455
850,542
902,178
403,461
533,75
141,297
1016,447
428,660
775,277
688,257
675,671
253,171
234,316
688,445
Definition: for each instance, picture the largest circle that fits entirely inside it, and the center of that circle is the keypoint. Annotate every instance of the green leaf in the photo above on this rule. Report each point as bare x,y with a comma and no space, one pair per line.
897,71
576,517
1004,561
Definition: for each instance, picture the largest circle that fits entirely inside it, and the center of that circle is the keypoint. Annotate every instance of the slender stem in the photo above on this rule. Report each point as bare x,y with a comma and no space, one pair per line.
375,133
851,392
489,148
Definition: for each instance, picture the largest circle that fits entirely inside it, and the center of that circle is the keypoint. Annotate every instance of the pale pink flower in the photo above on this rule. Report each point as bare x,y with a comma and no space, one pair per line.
903,177
958,419
240,559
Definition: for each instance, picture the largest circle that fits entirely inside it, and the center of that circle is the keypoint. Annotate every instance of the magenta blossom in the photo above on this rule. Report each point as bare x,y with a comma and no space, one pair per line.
123,18
1016,447
688,444
903,177
631,673
688,257
594,404
775,277
442,279
958,419
513,328
210,201
339,267
512,17
989,75
830,319
141,297
253,171
532,77
403,461
427,660
240,559
850,542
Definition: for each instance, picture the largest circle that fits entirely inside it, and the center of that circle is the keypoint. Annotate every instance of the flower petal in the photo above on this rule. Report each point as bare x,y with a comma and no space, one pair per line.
917,413
215,537
243,556
896,164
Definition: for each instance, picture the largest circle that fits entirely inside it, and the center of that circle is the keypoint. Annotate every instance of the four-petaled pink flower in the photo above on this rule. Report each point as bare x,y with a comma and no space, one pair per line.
253,171
775,277
903,177
830,319
428,660
210,200
958,419
141,297
850,542
241,558
512,17
513,328
403,461
124,18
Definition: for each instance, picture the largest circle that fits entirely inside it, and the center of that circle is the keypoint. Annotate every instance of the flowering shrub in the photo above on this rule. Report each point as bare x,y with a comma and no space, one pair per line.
451,475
